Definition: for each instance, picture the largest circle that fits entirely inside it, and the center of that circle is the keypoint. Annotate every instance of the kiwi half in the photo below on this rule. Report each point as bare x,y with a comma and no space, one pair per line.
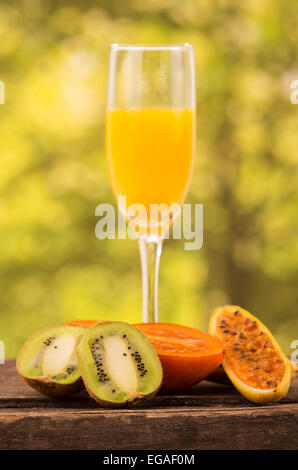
118,364
48,362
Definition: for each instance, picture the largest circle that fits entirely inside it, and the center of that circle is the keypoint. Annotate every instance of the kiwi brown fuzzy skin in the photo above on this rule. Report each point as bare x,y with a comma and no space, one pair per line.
50,388
137,400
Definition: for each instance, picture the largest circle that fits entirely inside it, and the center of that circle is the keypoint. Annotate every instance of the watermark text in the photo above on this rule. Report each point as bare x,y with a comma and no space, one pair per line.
159,221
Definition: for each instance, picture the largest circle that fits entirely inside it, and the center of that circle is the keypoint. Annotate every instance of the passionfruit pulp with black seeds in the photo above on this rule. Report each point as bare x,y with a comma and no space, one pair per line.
253,360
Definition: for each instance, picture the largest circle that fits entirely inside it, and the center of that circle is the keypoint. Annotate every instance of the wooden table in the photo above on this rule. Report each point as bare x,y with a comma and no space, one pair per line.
208,416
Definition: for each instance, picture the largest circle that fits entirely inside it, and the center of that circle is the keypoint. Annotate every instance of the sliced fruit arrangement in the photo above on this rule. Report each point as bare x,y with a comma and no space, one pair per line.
253,361
122,364
187,355
119,366
48,363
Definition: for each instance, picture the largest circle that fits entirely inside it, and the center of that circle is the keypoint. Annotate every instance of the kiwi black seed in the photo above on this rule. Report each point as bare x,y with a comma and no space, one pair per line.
48,363
118,364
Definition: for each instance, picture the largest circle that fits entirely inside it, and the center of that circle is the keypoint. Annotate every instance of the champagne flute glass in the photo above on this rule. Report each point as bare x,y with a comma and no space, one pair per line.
150,137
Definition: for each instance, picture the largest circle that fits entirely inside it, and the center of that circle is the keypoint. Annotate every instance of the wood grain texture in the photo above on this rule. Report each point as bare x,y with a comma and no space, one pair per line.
204,417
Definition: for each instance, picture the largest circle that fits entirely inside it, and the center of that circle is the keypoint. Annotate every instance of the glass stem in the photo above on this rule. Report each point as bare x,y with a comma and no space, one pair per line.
150,256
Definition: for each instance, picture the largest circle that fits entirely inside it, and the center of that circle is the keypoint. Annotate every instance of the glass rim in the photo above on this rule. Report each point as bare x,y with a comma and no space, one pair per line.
152,47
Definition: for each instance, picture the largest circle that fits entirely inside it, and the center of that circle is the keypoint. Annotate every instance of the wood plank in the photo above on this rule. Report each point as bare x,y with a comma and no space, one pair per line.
205,417
172,428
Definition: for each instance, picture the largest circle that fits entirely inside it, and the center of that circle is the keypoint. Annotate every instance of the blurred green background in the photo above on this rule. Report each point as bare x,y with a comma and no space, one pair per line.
53,61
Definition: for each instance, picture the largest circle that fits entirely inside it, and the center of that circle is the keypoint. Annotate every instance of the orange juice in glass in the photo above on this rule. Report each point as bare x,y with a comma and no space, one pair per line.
150,135
150,154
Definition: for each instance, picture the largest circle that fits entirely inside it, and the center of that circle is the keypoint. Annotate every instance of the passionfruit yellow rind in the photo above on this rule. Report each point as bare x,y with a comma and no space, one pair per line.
256,395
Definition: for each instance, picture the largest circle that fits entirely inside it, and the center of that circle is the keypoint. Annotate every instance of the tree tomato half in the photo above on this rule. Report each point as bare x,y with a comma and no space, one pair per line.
187,355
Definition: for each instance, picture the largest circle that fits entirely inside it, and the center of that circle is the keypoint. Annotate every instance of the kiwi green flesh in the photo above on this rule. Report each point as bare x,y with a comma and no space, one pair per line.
33,353
118,364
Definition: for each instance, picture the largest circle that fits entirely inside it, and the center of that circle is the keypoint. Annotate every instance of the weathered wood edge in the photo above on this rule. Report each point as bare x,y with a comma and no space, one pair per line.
163,429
